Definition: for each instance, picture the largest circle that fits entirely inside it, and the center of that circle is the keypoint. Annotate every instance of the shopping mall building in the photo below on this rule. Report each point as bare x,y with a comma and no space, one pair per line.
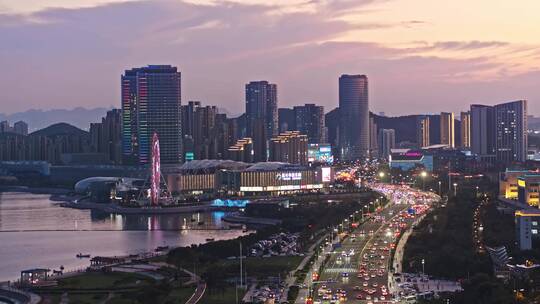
243,179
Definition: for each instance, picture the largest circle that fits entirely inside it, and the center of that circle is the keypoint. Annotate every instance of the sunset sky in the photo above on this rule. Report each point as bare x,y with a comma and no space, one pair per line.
421,56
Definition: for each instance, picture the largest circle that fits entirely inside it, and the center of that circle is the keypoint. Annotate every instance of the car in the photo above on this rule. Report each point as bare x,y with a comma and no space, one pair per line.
359,296
365,284
374,284
356,287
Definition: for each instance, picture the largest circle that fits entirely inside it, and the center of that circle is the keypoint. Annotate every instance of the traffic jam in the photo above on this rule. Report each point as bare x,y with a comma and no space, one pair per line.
357,270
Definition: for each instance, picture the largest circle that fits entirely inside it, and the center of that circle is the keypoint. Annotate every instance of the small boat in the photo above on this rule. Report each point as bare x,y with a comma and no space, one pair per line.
82,256
162,248
210,239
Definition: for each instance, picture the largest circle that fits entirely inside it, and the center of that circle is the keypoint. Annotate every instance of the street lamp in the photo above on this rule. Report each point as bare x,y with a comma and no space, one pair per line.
440,188
477,191
455,189
423,270
423,174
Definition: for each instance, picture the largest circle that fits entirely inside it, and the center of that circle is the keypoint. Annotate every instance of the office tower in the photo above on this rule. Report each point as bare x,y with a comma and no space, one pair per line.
20,127
242,150
151,99
422,131
204,139
331,120
309,120
188,117
466,129
354,120
289,147
387,141
511,131
447,129
286,120
373,138
261,115
483,132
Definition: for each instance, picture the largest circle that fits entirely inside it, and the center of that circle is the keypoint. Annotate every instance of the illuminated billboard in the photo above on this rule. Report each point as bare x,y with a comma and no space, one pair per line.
326,173
320,153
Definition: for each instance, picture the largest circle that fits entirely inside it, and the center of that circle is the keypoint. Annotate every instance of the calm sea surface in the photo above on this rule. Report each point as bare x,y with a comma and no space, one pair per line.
36,232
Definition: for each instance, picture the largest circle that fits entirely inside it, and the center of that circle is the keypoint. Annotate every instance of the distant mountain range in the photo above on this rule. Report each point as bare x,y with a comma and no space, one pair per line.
39,119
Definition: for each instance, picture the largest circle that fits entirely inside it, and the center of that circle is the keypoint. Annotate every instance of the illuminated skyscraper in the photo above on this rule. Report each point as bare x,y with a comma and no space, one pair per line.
261,115
447,129
466,129
289,147
151,99
354,117
422,131
511,131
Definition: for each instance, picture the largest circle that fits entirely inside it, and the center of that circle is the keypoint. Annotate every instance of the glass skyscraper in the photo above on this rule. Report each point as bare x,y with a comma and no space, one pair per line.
151,98
354,114
261,115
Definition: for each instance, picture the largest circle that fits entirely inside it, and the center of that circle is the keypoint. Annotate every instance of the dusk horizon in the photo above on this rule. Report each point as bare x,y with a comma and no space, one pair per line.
269,152
65,54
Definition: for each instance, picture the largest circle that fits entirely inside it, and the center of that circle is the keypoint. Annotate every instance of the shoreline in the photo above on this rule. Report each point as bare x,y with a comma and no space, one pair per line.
115,209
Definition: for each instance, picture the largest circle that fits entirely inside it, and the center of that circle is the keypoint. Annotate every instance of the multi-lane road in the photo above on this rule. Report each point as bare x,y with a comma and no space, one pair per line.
357,270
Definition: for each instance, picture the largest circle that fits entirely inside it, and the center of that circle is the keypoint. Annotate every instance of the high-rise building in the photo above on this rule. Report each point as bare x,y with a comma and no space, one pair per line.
466,130
373,138
106,136
511,131
422,131
387,141
151,98
331,120
242,150
261,115
188,117
204,139
354,117
447,129
20,127
483,132
289,147
286,120
309,120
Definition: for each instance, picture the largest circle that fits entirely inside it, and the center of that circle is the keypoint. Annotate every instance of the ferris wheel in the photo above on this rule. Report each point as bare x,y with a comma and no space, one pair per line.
155,177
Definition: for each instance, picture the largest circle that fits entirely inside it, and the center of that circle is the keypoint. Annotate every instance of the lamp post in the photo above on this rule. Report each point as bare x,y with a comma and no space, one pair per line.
440,188
423,174
423,269
381,175
477,191
455,189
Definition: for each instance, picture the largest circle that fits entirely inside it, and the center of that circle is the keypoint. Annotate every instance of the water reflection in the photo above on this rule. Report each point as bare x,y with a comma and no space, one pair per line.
36,232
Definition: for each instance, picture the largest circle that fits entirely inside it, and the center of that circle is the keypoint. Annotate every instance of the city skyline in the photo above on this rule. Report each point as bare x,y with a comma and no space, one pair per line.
470,65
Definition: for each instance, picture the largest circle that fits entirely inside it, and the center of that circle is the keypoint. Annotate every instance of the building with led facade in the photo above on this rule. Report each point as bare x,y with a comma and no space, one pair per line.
447,129
289,147
151,98
466,130
243,179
